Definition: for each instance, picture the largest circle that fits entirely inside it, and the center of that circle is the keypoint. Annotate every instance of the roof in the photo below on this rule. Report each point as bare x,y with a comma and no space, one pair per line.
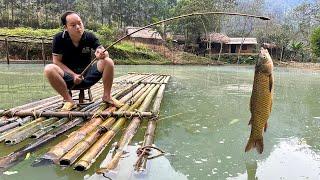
218,38
147,33
245,40
178,37
269,45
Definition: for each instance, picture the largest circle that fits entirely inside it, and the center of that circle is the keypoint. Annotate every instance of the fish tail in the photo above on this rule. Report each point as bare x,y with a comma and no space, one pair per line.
255,143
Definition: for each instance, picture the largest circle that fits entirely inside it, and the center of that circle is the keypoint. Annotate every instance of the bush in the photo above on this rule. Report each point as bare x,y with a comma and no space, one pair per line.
22,31
107,34
315,42
233,59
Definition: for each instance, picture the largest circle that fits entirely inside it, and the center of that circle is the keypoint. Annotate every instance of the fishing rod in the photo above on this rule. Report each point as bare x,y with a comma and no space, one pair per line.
170,19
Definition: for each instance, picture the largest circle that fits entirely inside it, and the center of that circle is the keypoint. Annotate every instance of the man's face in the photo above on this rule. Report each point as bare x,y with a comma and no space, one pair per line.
74,25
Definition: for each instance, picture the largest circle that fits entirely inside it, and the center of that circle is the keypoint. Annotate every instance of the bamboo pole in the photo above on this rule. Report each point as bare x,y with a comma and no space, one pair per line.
96,149
27,132
129,133
16,130
56,152
29,105
141,162
63,147
130,88
4,121
129,96
1,112
17,156
47,129
62,114
148,73
81,147
14,122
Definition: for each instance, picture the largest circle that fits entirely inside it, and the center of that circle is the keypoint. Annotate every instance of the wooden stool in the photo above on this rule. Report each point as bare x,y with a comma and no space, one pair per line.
82,97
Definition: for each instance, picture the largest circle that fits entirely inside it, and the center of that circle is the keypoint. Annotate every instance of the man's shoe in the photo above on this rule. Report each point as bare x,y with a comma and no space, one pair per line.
68,106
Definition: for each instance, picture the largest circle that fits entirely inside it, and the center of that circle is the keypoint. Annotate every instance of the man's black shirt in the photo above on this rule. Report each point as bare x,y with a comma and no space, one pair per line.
75,58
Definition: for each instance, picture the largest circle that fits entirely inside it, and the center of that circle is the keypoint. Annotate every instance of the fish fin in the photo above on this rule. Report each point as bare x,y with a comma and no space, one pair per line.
265,127
271,90
257,143
249,145
251,104
270,83
250,121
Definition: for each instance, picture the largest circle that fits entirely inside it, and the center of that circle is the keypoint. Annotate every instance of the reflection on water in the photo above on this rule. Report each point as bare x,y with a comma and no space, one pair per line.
155,168
203,126
251,170
291,158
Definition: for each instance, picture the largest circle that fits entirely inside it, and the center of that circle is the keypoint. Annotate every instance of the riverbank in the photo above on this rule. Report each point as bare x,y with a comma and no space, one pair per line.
183,59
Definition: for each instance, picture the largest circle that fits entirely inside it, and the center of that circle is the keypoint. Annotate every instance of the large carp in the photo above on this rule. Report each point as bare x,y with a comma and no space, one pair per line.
261,100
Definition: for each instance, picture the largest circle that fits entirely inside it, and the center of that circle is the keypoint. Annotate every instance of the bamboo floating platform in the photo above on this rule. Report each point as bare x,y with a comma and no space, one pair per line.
141,94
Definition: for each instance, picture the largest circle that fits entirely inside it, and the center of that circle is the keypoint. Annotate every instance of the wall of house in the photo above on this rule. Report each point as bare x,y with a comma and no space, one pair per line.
147,40
226,48
215,48
247,48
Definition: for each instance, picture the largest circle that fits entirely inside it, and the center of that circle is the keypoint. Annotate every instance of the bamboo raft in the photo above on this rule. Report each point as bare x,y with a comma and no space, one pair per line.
41,120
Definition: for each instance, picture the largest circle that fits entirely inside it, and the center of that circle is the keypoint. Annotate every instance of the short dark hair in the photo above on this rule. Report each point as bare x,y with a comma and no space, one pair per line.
64,17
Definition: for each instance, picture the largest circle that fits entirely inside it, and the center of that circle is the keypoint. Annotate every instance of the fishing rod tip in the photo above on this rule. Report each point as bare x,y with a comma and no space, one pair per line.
264,18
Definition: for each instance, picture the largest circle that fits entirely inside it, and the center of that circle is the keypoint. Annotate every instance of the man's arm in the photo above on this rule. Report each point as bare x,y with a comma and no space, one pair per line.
57,60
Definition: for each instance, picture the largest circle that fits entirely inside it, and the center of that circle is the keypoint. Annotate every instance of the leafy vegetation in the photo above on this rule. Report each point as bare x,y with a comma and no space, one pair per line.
315,42
28,31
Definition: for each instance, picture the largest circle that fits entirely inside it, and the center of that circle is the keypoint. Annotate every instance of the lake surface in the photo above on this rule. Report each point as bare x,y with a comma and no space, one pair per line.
203,124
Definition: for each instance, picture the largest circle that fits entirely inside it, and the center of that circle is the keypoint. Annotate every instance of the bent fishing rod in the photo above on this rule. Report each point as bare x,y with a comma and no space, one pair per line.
170,19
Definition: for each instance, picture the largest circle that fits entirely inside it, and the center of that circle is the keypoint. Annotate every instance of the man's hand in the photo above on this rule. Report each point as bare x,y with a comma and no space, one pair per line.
100,54
77,79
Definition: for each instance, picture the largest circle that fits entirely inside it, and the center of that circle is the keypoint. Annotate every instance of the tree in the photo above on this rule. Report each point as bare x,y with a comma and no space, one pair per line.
297,48
315,42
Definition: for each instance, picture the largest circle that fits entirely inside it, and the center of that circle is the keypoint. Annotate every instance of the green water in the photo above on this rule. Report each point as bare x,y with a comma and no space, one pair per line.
203,126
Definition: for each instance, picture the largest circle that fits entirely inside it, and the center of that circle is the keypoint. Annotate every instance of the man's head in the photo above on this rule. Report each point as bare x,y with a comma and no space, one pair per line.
72,23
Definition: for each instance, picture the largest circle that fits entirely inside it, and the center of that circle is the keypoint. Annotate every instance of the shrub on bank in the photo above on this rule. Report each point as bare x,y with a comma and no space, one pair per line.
235,59
22,31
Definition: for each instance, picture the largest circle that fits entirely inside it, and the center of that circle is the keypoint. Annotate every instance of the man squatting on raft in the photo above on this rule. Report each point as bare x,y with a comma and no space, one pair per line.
71,53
